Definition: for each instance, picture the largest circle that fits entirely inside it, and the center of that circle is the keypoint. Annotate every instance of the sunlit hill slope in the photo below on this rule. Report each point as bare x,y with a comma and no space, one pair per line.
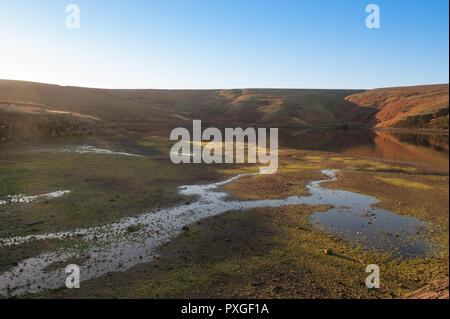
34,110
402,107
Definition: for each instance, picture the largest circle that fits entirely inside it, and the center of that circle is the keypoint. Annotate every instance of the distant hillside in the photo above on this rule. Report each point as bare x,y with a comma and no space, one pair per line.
401,107
252,106
39,110
36,110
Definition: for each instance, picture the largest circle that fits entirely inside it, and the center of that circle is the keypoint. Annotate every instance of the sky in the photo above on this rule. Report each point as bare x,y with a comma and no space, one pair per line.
212,44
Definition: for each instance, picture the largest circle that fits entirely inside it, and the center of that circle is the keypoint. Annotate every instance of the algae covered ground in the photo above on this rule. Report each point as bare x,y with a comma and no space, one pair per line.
257,253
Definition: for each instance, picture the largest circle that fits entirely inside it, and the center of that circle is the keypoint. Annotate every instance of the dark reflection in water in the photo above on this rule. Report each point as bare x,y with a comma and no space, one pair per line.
431,150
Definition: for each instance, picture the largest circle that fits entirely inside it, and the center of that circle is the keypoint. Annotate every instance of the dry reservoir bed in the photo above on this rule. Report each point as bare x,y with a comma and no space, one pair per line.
356,226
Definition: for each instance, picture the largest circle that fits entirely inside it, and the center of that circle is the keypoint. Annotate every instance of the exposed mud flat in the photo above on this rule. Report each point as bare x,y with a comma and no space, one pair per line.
122,245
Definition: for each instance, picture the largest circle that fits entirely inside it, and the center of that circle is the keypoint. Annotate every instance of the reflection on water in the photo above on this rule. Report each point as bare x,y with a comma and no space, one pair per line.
431,150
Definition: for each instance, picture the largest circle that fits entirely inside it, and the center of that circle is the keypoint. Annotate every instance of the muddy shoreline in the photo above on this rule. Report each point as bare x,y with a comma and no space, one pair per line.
153,229
403,274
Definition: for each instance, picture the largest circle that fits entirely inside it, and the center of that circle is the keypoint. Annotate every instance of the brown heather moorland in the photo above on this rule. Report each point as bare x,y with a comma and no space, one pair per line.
38,111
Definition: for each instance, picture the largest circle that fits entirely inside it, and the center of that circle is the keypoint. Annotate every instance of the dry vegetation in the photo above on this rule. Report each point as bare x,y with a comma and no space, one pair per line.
39,111
402,107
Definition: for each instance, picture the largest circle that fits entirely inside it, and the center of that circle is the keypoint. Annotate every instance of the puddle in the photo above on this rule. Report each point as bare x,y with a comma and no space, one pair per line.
85,149
355,219
113,248
24,199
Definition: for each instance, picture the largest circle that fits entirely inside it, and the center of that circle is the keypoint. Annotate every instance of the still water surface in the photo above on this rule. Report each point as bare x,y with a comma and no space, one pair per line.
423,149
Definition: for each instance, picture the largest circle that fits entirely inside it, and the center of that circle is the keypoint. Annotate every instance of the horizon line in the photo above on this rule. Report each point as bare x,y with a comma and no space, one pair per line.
220,89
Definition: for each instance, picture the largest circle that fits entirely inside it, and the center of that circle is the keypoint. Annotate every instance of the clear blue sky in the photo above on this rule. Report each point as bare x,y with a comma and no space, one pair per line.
225,43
